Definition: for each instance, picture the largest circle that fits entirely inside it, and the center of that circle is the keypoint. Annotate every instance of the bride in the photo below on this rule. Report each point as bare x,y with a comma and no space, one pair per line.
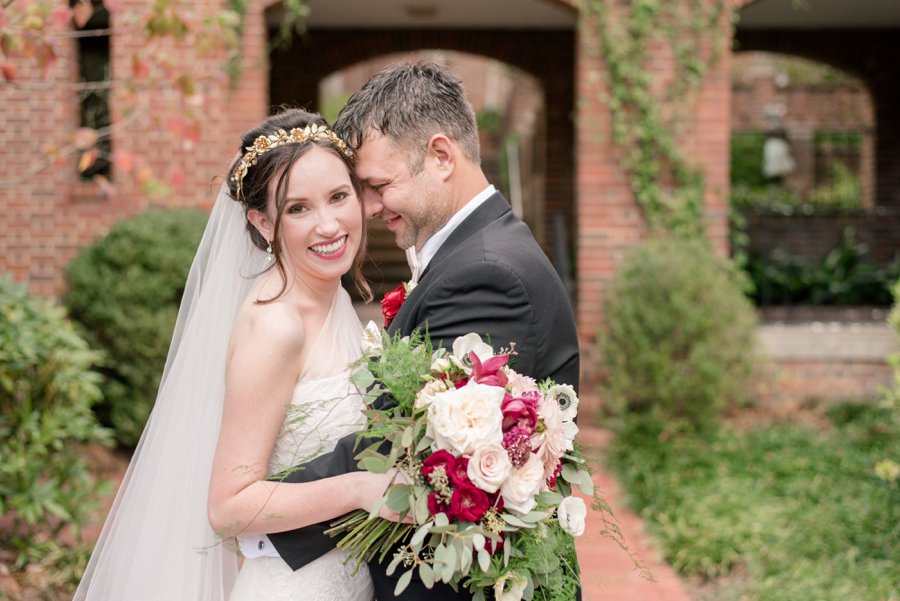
235,410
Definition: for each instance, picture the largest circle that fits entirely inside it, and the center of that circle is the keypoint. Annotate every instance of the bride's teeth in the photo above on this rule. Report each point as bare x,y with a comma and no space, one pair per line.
327,249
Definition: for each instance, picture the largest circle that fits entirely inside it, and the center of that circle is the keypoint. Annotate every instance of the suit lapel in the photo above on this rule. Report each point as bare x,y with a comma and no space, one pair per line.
492,209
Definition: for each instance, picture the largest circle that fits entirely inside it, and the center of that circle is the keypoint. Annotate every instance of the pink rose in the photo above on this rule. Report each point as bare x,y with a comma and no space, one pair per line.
489,467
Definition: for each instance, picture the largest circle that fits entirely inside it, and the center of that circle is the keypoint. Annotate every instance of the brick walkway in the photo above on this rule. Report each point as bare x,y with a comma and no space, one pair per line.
608,573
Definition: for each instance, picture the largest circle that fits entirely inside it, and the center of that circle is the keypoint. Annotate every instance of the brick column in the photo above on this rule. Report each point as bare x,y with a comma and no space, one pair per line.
609,219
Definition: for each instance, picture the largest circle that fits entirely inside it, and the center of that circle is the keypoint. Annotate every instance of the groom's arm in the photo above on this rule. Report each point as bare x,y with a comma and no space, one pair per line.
304,545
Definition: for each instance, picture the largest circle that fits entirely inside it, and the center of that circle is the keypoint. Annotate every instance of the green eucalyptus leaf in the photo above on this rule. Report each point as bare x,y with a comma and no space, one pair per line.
403,582
484,560
426,573
398,498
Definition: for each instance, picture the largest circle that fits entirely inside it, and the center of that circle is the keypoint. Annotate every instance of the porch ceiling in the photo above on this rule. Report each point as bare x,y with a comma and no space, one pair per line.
434,14
820,14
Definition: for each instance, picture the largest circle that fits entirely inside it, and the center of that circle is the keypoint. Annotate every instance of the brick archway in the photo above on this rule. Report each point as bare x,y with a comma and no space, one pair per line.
296,73
871,55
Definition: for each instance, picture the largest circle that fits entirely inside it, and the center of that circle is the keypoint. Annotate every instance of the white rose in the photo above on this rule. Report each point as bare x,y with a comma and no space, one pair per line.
489,467
465,344
565,397
464,419
572,513
371,340
522,486
517,584
425,396
519,384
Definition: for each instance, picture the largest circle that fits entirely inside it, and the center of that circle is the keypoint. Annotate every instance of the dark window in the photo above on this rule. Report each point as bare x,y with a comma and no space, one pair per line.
94,75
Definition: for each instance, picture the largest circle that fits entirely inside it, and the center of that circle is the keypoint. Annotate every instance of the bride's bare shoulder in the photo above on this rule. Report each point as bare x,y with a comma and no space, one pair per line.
276,325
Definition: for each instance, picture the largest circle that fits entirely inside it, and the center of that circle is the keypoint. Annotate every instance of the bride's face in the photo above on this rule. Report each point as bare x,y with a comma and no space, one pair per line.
321,222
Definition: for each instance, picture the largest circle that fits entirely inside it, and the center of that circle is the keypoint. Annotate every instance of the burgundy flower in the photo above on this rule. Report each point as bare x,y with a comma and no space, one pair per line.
436,506
489,373
459,471
438,459
392,302
468,504
519,412
517,443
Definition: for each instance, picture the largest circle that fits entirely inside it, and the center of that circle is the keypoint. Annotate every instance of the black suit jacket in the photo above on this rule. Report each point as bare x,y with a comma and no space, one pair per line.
489,277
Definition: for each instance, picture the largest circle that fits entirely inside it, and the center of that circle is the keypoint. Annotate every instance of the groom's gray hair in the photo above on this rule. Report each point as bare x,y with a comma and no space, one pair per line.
409,103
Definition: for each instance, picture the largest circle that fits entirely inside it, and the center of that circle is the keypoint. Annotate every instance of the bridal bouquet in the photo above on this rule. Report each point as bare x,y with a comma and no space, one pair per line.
487,463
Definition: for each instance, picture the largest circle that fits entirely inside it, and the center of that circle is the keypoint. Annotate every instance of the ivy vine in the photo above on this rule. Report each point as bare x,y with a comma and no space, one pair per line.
292,22
665,184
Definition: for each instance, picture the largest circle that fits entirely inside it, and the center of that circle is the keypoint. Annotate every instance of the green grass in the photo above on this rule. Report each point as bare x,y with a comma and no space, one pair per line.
795,512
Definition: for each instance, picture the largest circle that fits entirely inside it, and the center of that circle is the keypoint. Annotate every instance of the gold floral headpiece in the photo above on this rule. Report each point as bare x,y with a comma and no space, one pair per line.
263,144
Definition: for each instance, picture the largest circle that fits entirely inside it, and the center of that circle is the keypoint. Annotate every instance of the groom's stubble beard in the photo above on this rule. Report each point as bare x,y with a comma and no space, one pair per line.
426,214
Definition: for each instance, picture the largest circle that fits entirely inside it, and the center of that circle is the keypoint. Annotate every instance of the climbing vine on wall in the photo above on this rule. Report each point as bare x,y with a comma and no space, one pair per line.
647,115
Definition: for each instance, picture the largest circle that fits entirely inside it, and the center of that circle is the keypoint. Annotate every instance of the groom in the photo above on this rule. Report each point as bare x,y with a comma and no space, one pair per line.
481,270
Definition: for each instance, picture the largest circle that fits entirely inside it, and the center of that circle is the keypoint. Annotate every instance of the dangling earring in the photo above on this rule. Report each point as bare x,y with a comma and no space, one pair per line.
269,256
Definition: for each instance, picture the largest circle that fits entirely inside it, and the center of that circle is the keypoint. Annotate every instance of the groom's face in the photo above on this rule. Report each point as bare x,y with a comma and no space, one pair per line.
412,205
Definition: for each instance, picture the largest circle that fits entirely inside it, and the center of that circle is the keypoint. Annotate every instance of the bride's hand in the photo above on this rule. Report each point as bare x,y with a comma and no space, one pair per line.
374,488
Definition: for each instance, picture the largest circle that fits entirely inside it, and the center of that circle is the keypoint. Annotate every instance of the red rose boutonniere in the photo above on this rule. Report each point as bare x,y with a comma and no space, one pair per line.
393,300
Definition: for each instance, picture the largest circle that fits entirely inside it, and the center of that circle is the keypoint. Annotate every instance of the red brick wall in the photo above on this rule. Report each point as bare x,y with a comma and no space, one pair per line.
47,217
822,380
609,220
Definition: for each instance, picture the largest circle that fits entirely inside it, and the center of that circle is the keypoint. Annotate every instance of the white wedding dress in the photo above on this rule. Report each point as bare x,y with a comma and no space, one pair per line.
324,407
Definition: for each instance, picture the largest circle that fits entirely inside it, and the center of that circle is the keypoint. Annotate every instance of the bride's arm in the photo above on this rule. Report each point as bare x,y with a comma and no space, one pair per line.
262,370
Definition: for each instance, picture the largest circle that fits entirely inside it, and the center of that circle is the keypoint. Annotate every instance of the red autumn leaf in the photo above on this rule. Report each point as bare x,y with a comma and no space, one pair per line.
123,161
143,174
176,124
139,67
192,132
46,58
85,137
61,17
176,178
9,72
87,159
83,13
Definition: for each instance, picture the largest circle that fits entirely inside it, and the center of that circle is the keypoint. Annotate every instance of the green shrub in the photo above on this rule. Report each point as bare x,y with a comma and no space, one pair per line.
47,389
679,339
846,276
125,290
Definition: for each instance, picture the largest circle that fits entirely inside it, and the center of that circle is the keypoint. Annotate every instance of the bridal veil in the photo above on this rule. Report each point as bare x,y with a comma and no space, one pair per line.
156,543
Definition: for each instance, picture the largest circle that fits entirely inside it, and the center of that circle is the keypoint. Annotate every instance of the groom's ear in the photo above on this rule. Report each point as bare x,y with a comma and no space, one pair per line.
441,154
262,223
